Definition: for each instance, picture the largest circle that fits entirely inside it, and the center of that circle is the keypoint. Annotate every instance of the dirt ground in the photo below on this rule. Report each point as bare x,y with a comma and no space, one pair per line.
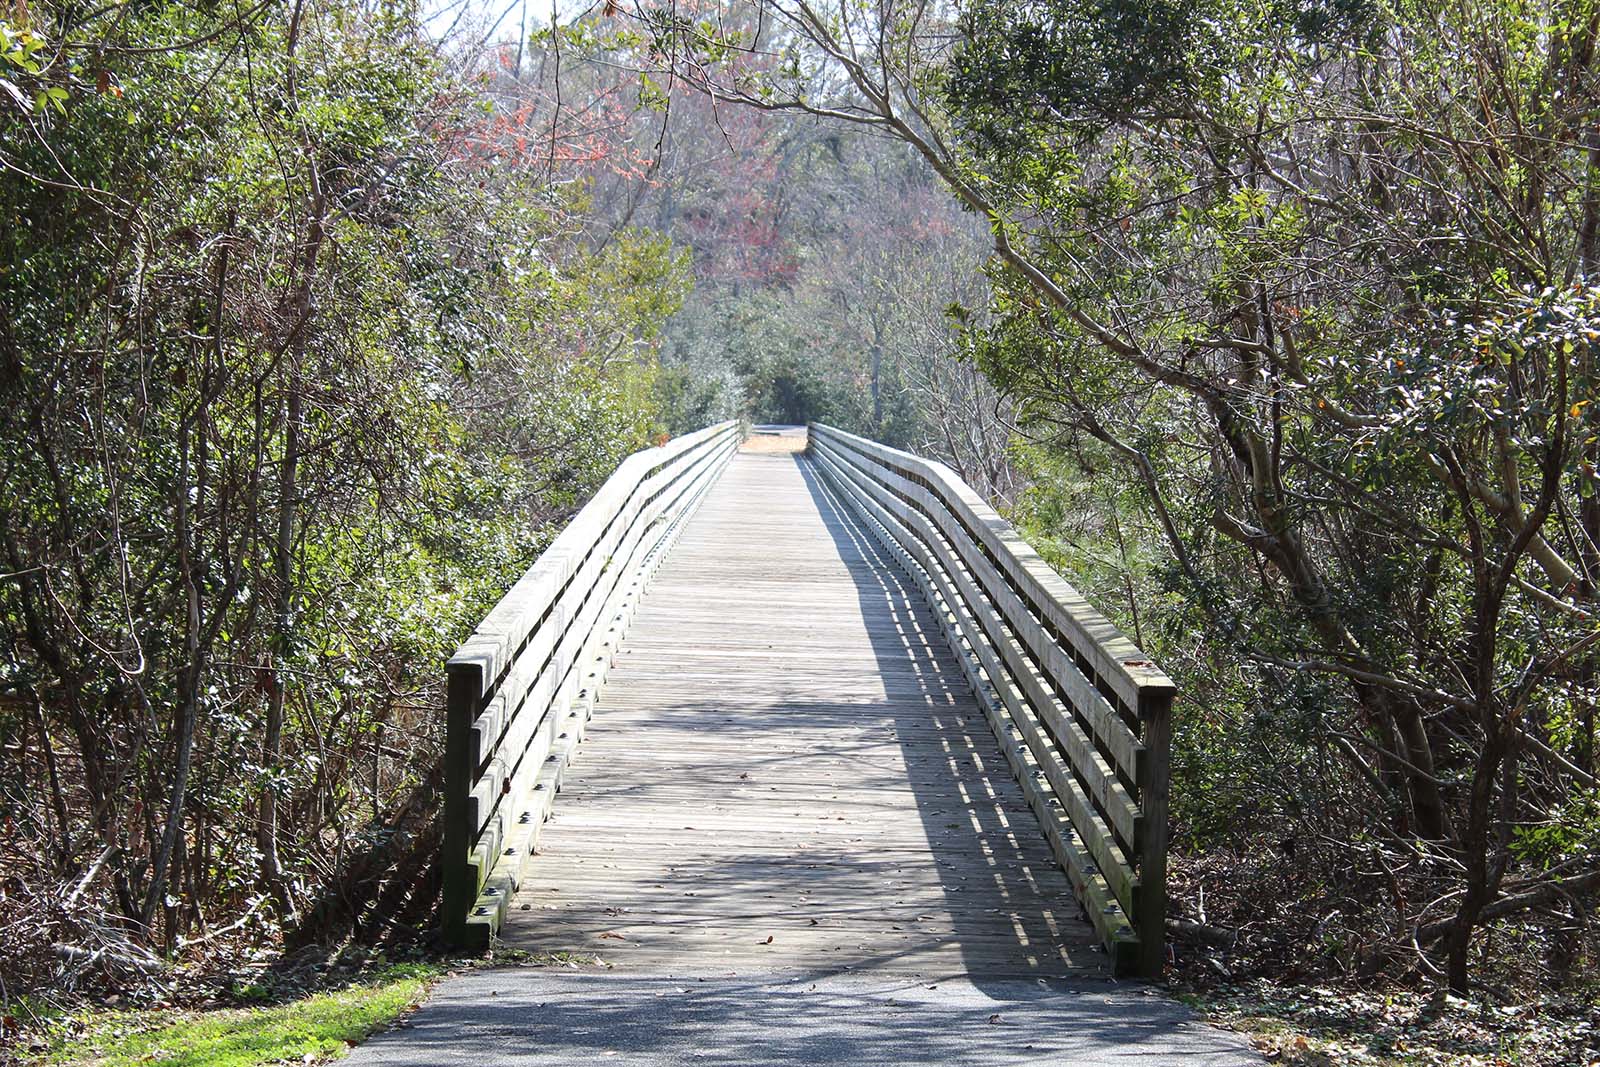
775,439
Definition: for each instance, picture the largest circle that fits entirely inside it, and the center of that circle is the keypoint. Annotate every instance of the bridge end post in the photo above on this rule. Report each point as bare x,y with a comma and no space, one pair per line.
459,891
1150,912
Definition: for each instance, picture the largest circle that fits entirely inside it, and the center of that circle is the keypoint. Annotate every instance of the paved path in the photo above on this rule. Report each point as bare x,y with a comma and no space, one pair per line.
789,838
545,1018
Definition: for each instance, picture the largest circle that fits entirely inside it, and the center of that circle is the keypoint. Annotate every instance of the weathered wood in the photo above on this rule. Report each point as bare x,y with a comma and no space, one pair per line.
1122,743
1104,881
1092,888
1155,713
787,747
1002,618
510,622
520,689
1048,664
546,655
852,721
463,684
1116,660
528,737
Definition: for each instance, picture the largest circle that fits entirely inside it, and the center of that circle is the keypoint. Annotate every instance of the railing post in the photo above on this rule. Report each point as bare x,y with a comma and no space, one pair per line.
1150,911
464,686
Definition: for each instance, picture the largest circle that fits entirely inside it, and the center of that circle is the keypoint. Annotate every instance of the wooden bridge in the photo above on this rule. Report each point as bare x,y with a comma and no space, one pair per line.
805,711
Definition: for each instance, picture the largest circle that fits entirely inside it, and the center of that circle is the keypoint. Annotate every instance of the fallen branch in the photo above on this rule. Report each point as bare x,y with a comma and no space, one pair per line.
83,957
89,876
1202,934
255,906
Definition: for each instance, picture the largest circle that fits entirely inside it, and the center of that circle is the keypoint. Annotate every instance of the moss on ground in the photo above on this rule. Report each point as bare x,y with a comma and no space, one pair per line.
317,1027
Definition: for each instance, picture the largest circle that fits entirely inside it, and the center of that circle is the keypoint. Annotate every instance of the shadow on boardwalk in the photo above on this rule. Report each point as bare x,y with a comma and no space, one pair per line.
792,839
972,794
788,771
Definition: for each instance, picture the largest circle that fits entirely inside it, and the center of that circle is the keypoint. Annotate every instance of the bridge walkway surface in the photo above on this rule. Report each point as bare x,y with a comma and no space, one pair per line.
790,838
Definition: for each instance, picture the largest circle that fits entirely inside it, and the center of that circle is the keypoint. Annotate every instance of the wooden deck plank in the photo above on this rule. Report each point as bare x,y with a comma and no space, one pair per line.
786,771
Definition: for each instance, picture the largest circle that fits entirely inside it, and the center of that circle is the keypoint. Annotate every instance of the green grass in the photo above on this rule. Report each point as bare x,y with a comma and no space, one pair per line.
320,1026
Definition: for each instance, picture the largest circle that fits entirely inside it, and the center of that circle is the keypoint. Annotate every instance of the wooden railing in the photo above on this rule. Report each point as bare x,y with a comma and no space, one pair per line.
522,687
1083,717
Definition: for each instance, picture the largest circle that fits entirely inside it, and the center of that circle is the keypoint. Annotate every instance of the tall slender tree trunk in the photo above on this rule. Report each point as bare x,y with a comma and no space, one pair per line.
283,627
58,802
1482,882
300,304
193,676
877,375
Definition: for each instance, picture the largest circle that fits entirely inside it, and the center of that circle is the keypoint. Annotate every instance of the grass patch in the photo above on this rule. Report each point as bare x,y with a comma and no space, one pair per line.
317,1027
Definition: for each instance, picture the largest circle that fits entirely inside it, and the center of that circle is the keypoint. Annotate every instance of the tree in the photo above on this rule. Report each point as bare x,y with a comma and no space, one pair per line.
296,385
1316,278
827,260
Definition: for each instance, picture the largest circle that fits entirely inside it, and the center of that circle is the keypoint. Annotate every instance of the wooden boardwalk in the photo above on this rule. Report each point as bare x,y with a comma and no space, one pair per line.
787,771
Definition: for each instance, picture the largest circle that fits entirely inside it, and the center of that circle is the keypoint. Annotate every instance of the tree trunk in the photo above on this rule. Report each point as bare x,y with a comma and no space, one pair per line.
272,740
1480,884
194,675
877,377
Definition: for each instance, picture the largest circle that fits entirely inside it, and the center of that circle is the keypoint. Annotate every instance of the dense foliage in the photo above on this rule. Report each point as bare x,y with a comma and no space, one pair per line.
1286,348
1311,286
294,386
1322,287
829,265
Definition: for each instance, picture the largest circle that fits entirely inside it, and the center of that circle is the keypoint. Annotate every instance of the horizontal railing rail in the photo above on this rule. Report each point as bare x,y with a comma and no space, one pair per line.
521,689
1083,717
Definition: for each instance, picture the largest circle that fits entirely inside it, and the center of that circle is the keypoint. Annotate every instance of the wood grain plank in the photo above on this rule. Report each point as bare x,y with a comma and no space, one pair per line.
787,747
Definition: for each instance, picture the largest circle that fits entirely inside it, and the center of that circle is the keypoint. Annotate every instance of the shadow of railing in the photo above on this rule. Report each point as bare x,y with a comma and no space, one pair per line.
822,720
967,777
